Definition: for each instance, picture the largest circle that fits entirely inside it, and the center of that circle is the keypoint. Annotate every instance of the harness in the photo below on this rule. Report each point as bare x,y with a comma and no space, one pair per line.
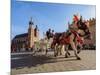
79,39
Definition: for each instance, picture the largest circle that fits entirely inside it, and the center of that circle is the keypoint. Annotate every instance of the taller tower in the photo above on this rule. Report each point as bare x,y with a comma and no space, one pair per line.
31,33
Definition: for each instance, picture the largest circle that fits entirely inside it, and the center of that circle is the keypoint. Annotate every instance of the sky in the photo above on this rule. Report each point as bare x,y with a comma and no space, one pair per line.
46,15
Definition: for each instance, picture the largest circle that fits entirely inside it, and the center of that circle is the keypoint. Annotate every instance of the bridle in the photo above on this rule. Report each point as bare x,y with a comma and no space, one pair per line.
84,27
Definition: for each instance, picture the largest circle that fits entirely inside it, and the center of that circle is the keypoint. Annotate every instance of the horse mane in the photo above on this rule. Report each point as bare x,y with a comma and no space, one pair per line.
58,34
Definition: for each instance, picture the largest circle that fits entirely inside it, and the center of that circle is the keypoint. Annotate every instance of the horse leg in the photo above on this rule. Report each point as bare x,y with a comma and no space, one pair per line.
67,50
67,53
46,51
60,49
79,50
72,43
47,48
75,50
55,51
77,44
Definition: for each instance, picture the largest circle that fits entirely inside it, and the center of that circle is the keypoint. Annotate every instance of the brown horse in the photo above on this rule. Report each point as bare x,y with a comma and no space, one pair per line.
61,39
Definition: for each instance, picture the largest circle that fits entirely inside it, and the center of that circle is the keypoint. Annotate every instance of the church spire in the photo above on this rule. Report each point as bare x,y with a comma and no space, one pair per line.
30,22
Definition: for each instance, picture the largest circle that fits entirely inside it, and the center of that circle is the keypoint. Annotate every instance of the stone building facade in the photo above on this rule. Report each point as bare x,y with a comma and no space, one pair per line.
26,40
92,28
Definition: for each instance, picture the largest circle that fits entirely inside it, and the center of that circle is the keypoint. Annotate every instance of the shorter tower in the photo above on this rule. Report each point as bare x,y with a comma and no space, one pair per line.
36,34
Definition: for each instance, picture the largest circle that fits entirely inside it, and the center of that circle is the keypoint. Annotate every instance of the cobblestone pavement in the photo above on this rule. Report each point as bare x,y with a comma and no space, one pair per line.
48,63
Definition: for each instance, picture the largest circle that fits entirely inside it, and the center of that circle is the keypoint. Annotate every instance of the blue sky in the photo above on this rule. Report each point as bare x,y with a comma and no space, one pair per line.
45,15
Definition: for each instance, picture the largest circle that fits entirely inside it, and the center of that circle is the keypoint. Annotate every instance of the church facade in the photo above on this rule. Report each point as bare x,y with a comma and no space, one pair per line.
26,40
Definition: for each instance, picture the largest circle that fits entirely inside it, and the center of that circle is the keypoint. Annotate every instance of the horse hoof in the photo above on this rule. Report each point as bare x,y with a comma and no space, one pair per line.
61,54
78,52
78,58
66,56
55,55
69,54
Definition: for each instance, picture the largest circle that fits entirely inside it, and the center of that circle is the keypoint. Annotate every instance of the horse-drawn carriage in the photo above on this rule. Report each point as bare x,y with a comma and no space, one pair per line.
77,29
43,45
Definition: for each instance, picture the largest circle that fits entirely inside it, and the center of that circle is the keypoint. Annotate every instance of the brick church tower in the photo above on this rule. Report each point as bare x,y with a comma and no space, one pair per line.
31,34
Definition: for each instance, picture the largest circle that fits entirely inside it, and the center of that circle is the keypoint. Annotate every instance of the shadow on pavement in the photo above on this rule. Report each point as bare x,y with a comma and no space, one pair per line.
33,61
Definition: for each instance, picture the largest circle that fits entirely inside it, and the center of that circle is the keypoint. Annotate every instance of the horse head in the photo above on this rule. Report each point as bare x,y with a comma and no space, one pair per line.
56,39
84,26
